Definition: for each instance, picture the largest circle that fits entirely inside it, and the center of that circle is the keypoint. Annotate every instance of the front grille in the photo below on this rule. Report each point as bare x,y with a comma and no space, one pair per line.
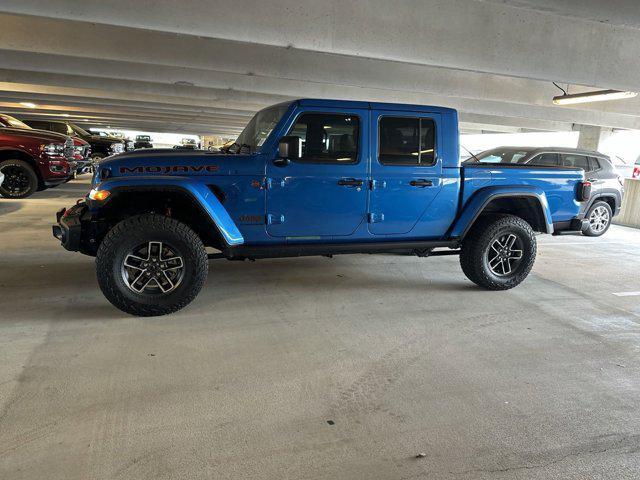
68,148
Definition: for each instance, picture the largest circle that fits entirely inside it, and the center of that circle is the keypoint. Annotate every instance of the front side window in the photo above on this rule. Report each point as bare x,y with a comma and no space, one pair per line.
576,161
327,137
545,160
407,141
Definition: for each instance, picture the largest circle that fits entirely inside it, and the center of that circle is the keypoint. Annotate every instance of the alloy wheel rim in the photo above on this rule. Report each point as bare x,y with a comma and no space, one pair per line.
153,268
16,181
599,219
505,254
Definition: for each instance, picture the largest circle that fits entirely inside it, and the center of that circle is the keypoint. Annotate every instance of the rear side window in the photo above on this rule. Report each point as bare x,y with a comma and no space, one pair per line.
545,160
60,128
595,164
576,161
39,125
327,137
407,141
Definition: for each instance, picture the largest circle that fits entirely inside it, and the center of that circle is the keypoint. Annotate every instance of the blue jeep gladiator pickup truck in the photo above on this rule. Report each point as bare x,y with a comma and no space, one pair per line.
314,177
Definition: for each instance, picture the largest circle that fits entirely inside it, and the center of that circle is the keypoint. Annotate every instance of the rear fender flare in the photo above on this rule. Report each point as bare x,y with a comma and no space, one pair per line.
198,192
480,200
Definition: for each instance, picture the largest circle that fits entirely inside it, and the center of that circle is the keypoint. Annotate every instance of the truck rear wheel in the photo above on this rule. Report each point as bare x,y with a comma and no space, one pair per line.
499,251
20,180
151,265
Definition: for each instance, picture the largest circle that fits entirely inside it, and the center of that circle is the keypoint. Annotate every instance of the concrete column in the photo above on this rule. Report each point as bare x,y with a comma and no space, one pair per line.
591,136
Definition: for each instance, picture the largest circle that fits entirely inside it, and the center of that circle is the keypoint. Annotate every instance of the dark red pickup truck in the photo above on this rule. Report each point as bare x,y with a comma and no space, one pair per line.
31,159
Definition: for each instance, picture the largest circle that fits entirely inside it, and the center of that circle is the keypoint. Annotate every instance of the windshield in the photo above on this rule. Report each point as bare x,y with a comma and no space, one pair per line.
501,156
15,123
259,127
78,130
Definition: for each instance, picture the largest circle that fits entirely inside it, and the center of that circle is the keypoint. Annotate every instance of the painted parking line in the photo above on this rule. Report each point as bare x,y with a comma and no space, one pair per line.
555,244
627,294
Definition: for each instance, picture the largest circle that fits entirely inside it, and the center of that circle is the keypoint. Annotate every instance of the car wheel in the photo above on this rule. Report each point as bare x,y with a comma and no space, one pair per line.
499,252
20,180
151,265
599,217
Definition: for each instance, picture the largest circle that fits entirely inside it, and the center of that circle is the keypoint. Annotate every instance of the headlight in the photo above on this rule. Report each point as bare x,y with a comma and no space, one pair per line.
117,147
99,195
54,149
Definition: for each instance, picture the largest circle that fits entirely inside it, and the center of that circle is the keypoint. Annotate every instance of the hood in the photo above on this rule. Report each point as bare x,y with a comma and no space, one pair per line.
172,162
43,135
78,142
105,140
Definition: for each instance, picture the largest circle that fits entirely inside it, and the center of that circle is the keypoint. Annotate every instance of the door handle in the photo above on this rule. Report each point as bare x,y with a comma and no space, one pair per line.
421,183
350,182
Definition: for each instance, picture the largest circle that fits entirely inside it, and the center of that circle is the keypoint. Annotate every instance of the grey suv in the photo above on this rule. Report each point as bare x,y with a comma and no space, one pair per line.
607,189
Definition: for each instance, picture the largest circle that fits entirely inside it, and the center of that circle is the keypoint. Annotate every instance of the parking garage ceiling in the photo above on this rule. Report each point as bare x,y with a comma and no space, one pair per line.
161,67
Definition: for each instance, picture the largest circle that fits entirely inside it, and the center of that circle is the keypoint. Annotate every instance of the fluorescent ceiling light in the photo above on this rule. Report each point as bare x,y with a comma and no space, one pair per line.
597,96
64,114
28,104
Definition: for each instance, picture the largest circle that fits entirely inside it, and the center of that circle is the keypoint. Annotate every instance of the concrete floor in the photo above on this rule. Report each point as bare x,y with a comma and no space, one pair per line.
403,355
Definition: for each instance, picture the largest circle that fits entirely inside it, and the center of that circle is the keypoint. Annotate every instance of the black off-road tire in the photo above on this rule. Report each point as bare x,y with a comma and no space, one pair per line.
594,230
475,247
28,174
137,230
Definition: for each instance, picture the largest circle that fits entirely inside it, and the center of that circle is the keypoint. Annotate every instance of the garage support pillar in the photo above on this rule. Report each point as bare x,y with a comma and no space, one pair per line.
591,136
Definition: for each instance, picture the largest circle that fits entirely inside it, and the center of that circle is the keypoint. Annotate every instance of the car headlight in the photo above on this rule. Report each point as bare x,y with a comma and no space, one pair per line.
53,149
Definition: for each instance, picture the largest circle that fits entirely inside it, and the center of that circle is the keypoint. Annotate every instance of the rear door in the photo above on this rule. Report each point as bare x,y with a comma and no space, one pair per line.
324,192
589,166
405,174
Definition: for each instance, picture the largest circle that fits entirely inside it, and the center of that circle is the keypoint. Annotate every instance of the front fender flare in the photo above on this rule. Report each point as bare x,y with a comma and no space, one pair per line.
198,192
483,197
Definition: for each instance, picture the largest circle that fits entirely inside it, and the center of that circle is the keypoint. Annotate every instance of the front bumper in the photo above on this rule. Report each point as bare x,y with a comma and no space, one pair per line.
68,228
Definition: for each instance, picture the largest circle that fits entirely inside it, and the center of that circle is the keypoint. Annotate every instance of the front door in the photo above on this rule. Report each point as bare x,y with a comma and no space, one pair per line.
406,174
324,192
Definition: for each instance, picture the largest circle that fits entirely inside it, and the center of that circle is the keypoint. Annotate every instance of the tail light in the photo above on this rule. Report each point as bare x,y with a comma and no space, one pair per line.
584,191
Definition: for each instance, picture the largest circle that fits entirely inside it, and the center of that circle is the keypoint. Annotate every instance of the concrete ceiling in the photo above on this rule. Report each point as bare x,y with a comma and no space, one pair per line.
205,67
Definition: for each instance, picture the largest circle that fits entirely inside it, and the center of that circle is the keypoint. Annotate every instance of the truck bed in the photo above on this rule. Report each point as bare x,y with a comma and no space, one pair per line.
558,183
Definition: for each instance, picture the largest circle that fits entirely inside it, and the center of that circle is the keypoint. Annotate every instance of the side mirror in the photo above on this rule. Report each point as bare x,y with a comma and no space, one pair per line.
290,147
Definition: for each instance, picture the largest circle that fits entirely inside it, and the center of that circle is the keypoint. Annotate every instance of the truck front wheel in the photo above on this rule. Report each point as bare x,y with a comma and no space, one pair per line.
499,251
151,265
20,180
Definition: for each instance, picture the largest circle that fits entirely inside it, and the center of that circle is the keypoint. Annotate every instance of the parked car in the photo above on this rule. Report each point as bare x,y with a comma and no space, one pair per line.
101,147
188,143
143,141
31,159
623,167
607,183
129,145
315,177
636,169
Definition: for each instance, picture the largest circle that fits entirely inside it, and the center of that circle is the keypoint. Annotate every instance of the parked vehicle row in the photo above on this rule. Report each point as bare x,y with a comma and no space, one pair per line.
28,164
32,160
